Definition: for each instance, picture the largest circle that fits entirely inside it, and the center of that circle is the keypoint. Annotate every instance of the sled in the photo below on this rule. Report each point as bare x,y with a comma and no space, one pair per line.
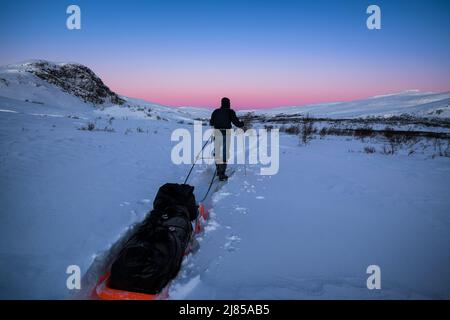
103,291
201,219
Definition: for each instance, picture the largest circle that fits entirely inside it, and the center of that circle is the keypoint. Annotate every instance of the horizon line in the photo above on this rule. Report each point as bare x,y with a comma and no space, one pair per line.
249,108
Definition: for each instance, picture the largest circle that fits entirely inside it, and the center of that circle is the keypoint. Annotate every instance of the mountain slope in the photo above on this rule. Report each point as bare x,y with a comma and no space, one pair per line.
59,84
75,79
415,103
69,87
65,89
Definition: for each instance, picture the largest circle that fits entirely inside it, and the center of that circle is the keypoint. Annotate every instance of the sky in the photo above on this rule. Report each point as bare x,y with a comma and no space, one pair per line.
258,53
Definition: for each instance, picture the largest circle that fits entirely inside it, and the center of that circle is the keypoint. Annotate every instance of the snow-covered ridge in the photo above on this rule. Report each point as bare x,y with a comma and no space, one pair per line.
71,78
71,88
75,79
411,102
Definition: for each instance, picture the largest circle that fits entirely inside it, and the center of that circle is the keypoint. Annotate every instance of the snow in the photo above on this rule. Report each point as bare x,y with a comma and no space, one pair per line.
17,84
325,218
181,292
69,196
412,102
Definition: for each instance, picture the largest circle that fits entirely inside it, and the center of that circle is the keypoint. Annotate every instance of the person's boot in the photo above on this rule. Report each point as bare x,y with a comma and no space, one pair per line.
222,175
217,169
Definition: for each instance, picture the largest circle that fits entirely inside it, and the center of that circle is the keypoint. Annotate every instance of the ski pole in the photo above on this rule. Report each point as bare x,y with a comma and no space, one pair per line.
243,150
245,158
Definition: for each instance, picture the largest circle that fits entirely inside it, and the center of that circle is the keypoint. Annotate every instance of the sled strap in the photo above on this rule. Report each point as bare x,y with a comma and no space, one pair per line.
196,158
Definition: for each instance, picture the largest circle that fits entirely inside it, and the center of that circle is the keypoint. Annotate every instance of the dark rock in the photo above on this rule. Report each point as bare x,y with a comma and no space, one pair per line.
77,80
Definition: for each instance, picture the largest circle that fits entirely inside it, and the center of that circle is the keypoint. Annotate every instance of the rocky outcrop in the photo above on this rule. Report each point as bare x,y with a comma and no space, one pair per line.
75,79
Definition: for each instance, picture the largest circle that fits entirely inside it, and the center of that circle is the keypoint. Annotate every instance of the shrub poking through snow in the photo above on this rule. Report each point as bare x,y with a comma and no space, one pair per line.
389,149
369,150
365,132
293,129
307,132
89,127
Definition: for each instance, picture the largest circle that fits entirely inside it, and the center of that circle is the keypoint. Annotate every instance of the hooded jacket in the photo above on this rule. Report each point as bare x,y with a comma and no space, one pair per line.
223,117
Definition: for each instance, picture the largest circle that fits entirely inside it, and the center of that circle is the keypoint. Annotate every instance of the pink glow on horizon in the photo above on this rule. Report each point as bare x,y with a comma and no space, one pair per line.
243,102
264,90
260,100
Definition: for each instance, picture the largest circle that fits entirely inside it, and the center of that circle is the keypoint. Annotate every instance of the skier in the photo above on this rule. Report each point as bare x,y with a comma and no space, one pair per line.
221,120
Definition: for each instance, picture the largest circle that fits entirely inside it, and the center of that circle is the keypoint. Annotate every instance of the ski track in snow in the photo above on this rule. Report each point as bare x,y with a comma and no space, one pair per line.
320,250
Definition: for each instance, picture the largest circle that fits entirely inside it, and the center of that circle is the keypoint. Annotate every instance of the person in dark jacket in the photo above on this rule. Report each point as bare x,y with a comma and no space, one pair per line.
221,120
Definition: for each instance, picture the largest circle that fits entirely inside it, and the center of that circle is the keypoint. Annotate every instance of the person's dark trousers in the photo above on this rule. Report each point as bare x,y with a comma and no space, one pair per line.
222,167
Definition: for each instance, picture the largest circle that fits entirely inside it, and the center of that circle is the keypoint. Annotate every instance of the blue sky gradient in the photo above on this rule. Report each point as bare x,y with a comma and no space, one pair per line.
260,53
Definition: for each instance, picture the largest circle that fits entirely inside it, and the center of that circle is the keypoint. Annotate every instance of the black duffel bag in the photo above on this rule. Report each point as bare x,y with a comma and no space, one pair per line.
153,255
172,194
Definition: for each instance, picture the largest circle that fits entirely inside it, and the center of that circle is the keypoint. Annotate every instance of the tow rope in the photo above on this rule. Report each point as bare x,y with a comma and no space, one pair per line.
209,187
193,165
196,158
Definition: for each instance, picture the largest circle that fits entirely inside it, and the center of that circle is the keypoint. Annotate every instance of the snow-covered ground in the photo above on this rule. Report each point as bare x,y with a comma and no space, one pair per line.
311,231
68,195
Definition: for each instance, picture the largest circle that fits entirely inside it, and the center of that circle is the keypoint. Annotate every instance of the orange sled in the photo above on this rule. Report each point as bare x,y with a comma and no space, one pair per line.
102,290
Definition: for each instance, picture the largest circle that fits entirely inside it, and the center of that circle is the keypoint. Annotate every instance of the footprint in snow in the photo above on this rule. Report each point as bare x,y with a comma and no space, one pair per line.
144,201
211,226
231,242
219,196
241,209
134,215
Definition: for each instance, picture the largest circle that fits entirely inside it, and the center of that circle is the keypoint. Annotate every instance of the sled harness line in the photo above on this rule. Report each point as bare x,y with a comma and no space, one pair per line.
193,165
196,158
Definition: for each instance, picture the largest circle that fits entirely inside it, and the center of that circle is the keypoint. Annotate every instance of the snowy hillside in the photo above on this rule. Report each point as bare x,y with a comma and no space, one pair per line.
409,102
76,176
62,84
65,88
